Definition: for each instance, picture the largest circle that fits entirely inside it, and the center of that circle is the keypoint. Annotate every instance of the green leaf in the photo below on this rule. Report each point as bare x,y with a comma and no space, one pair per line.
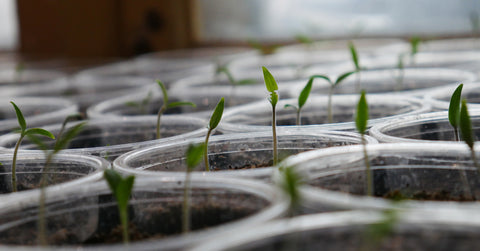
113,179
248,81
38,142
217,114
63,141
454,108
323,77
39,131
342,77
273,98
362,114
194,155
414,42
180,103
354,54
20,118
164,91
270,82
466,125
290,106
302,99
303,39
124,190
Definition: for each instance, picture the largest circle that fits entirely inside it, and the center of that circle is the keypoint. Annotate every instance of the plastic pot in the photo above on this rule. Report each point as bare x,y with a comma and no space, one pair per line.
245,155
440,97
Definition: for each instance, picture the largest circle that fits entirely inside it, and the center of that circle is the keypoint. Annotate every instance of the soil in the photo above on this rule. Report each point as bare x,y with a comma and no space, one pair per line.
441,195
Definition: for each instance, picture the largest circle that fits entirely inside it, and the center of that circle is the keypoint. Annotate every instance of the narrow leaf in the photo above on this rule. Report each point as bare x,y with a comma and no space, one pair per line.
270,82
180,103
323,77
290,106
302,99
273,98
20,118
354,54
217,114
248,81
124,190
164,91
194,155
113,179
362,114
63,141
466,125
39,131
454,108
342,77
414,42
38,142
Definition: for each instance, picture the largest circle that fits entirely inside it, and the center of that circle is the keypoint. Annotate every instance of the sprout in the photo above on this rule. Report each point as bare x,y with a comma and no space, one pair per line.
414,43
302,99
167,105
467,132
141,106
214,121
121,189
454,110
303,39
272,87
233,81
331,90
194,156
354,54
361,122
262,48
401,72
23,132
289,183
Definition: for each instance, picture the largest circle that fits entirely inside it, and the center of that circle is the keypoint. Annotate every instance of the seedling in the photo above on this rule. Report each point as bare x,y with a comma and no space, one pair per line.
289,183
194,156
23,132
414,43
142,105
214,121
234,82
361,122
454,110
264,49
354,54
167,105
331,90
401,72
303,39
272,87
467,132
302,99
121,188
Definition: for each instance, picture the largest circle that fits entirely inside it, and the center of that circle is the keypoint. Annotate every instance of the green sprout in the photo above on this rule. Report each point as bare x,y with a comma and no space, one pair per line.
194,156
454,110
289,183
264,49
23,132
331,90
467,132
401,71
361,122
167,105
234,82
214,121
272,87
122,189
142,105
302,99
414,43
304,39
354,54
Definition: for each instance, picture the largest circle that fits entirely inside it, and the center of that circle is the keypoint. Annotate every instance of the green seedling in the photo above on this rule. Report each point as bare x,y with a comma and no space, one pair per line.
414,43
61,142
272,87
361,122
401,72
214,121
142,105
194,156
467,132
264,49
122,189
337,82
234,82
23,132
167,105
289,183
302,99
304,39
454,110
355,60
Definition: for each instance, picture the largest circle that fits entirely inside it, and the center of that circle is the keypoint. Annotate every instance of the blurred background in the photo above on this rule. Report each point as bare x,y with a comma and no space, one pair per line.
125,28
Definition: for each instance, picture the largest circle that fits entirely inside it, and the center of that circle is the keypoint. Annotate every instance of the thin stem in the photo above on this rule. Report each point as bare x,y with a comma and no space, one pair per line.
368,172
14,163
124,218
42,221
205,153
329,106
455,132
274,132
159,115
186,205
298,122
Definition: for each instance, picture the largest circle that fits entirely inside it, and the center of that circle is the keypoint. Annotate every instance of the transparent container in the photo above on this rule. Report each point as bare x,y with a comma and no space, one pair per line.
410,81
38,111
257,116
436,45
109,138
65,171
440,97
87,217
426,176
29,82
247,155
357,230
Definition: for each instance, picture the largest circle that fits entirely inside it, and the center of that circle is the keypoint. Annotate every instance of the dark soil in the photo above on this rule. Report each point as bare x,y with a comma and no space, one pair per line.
441,195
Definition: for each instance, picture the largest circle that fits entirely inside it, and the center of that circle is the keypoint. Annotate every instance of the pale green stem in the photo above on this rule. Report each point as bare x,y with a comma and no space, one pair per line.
274,132
124,220
298,122
186,205
368,172
14,163
455,132
205,153
42,221
159,115
329,106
